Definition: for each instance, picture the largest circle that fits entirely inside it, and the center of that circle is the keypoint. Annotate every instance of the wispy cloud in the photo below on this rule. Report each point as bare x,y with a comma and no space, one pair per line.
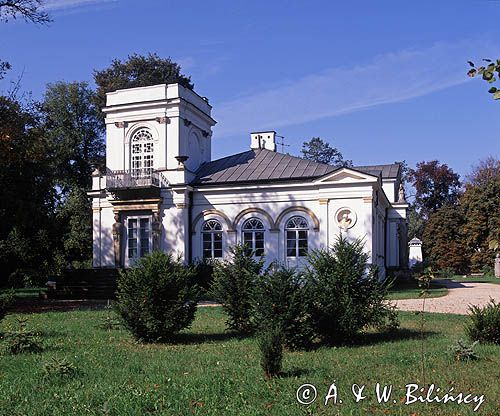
72,4
389,78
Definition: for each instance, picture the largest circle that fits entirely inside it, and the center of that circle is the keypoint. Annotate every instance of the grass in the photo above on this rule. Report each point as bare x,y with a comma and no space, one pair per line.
476,279
411,290
212,372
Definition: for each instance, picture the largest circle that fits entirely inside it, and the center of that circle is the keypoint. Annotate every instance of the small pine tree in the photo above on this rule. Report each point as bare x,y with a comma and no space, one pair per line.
281,300
156,298
347,295
271,349
234,281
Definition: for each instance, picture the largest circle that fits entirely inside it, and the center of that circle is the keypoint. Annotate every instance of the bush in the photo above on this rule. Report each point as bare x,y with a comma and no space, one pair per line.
156,298
484,324
347,295
59,368
281,300
271,349
203,275
461,351
233,284
6,301
22,341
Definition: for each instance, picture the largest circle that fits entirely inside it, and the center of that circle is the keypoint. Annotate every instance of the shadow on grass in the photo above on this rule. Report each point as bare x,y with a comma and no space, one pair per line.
372,338
402,334
295,372
190,338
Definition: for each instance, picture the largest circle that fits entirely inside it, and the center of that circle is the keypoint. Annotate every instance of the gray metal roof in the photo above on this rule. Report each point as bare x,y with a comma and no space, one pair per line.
262,165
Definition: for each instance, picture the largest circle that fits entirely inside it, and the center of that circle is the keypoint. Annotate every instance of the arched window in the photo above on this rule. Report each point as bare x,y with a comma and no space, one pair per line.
296,237
142,151
253,236
212,239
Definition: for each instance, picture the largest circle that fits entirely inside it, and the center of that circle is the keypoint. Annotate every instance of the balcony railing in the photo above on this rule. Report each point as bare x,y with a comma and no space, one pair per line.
134,178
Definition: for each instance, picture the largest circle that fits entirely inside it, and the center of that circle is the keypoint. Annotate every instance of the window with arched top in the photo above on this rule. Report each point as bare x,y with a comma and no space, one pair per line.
296,231
212,239
142,154
253,236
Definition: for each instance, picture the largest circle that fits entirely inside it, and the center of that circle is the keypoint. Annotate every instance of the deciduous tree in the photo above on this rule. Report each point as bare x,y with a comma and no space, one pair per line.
138,71
321,151
443,239
435,185
481,206
487,72
29,10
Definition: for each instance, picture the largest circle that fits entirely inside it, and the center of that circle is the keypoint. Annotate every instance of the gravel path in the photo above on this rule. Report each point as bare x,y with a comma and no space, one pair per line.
460,296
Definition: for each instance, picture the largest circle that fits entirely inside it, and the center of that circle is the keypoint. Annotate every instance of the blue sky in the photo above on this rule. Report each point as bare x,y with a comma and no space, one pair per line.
382,81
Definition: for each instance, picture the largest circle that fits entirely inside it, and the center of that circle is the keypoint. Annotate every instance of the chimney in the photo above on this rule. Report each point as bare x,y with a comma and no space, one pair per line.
263,140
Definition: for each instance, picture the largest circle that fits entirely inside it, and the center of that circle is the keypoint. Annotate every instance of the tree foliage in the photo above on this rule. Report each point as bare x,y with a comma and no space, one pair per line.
72,123
282,303
28,195
234,282
138,71
346,294
487,72
435,185
481,207
443,239
156,298
29,10
321,151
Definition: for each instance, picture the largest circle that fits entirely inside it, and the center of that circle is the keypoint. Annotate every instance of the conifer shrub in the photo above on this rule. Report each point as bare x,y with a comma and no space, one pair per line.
157,297
233,285
484,323
347,295
282,300
22,340
271,349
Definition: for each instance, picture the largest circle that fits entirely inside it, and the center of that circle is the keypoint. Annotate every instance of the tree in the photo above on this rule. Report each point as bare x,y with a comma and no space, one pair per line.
488,74
481,207
29,10
416,224
71,120
436,185
4,67
72,125
138,71
320,151
443,239
28,196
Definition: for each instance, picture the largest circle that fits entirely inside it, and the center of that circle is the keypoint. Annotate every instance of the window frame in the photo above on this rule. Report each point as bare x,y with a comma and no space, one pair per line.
257,251
132,260
212,233
296,238
145,156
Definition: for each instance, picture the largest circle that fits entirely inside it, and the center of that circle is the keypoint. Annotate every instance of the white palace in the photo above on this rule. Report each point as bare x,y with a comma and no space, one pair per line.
162,191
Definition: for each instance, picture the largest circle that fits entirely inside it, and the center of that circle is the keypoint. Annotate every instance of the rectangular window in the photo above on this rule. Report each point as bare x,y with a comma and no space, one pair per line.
138,237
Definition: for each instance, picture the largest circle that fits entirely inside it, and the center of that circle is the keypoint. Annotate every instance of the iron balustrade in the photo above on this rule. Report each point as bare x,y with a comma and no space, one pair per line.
134,178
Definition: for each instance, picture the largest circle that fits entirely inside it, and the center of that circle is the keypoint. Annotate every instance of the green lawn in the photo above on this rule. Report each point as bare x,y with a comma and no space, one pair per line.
212,372
410,290
477,279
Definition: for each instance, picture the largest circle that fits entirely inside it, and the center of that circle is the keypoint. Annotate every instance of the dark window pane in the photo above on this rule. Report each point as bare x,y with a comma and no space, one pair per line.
302,252
217,253
303,234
